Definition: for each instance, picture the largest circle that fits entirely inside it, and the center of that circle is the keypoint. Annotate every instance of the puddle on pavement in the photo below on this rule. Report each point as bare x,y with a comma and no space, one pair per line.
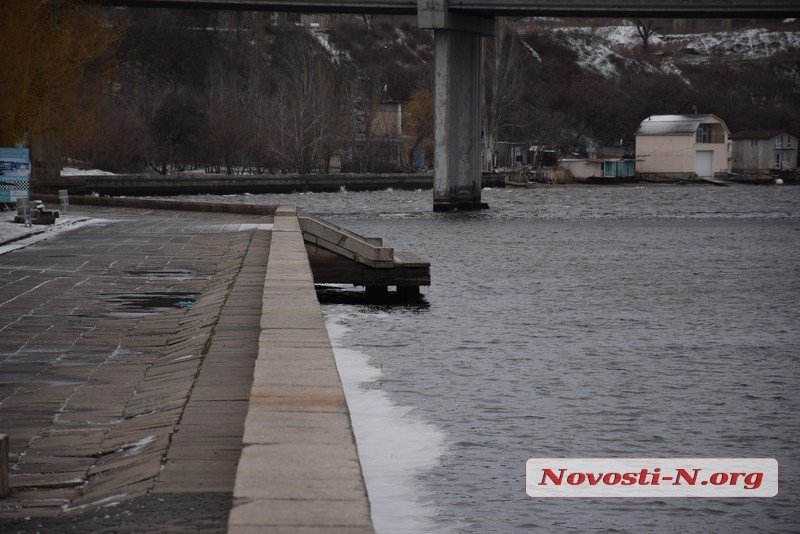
152,302
170,274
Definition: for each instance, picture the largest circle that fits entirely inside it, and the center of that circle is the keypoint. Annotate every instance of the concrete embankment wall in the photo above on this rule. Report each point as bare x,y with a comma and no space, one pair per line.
299,469
187,184
52,201
190,184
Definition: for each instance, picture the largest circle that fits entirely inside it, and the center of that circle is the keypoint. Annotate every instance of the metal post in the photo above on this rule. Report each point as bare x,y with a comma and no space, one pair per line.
5,485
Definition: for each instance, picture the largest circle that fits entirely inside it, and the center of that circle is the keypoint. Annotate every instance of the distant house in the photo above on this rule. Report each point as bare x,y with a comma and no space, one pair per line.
379,140
763,150
511,153
682,145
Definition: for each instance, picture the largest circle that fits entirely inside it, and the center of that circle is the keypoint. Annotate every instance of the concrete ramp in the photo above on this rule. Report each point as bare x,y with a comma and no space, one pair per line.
365,250
340,256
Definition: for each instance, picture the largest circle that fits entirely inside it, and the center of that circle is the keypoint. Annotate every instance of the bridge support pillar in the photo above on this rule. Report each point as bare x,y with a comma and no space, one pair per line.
457,122
457,104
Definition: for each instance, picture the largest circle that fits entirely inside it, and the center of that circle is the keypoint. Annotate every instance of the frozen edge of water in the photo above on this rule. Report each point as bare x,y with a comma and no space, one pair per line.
394,445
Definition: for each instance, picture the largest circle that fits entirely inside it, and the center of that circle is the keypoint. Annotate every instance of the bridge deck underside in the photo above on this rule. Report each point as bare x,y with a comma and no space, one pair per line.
559,8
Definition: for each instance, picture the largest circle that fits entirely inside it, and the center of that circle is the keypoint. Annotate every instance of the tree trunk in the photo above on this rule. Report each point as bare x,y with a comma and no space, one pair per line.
45,152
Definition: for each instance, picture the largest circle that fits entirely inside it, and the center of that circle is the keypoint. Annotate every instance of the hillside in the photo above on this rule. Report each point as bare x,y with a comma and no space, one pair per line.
598,81
224,91
765,41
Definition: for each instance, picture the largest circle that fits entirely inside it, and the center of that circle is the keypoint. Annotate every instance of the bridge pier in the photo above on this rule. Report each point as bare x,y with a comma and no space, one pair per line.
457,104
457,124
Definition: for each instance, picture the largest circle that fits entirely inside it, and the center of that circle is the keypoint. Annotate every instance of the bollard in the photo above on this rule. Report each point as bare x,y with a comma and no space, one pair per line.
26,210
63,198
5,486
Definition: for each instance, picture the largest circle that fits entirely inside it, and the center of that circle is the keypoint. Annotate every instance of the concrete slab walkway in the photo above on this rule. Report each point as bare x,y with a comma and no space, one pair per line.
127,356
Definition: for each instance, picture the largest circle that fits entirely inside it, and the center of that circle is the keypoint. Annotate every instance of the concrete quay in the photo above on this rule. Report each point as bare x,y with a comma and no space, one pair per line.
165,371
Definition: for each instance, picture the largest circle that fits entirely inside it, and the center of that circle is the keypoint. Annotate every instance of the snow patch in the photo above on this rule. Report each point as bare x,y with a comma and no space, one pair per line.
533,52
72,171
139,446
669,67
324,40
595,57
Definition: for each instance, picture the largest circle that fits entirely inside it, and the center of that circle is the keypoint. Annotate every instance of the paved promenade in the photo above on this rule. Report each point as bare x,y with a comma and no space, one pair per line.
128,350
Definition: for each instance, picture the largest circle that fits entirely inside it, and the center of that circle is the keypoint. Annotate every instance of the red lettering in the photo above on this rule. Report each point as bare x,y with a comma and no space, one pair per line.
576,479
594,478
684,474
718,479
548,473
753,480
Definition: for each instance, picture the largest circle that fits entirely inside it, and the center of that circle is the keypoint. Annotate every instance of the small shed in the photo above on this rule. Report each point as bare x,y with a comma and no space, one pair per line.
762,151
511,153
583,168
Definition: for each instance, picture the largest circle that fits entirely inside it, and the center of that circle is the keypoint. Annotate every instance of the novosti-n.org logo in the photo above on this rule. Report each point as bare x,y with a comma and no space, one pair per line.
651,477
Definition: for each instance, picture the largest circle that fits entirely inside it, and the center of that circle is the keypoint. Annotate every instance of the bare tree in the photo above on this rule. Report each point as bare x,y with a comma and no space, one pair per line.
645,28
503,81
309,89
369,92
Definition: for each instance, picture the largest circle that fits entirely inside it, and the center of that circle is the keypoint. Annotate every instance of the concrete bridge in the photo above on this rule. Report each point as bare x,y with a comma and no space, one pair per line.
459,26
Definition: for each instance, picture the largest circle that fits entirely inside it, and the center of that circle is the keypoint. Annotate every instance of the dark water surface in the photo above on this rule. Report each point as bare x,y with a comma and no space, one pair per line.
591,322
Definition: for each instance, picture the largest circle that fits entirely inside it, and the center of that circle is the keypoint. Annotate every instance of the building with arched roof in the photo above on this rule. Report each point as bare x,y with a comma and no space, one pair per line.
683,145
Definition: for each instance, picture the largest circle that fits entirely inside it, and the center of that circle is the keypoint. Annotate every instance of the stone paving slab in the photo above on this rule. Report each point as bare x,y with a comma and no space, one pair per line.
101,382
285,529
280,515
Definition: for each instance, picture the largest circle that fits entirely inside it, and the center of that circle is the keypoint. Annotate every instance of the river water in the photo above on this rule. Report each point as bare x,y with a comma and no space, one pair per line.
575,322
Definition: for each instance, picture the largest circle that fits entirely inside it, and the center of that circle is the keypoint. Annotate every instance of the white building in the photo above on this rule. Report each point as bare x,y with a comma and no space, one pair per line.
683,145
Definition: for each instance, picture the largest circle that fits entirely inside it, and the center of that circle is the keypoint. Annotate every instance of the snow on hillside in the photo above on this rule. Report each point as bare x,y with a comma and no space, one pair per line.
756,43
617,36
597,57
668,66
324,41
600,49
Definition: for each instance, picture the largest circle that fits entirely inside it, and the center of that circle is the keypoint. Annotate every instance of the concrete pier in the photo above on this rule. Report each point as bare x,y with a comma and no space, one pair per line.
169,370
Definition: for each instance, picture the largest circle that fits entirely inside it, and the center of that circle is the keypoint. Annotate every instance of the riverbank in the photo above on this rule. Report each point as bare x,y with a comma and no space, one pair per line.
219,184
